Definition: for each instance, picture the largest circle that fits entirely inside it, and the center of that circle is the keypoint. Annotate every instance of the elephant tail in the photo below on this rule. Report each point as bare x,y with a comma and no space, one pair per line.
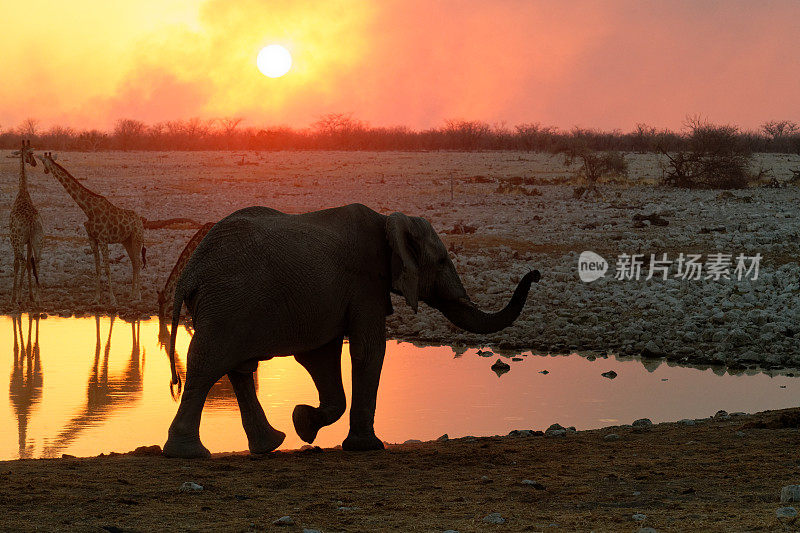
176,317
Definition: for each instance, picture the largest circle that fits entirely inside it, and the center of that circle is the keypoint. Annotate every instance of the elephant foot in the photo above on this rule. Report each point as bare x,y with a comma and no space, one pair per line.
362,443
185,448
267,442
307,422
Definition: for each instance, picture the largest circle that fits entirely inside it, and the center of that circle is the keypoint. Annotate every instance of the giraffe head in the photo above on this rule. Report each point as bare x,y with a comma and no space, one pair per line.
26,153
47,161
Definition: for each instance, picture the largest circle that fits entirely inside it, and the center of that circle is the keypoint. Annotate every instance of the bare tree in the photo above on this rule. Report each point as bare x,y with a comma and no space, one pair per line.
466,134
129,133
717,158
28,128
776,129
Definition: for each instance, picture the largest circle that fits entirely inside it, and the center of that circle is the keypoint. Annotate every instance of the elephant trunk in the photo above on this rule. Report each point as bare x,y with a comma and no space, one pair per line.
465,315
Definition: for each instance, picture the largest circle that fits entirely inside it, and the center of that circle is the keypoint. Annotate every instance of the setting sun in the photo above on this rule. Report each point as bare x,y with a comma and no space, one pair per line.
274,61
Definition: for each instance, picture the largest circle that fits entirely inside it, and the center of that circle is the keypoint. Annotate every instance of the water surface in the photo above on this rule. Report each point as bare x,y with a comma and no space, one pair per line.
85,386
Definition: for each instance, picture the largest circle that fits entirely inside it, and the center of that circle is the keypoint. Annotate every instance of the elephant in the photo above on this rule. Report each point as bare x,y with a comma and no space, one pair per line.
264,284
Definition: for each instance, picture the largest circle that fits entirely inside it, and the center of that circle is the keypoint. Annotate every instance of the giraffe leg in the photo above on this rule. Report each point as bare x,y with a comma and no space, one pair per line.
134,249
28,271
15,288
104,250
36,245
96,252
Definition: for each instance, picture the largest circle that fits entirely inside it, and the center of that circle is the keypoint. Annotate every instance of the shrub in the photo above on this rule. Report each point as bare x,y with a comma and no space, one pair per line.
717,158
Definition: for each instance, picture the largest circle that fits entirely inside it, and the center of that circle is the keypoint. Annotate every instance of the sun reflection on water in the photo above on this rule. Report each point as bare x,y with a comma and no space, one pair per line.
85,386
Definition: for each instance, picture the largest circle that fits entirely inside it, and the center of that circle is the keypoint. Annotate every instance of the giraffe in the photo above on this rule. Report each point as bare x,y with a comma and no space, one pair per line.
26,231
165,296
106,224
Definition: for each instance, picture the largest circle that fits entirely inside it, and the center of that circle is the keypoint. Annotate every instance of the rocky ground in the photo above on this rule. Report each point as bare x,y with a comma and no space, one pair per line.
500,213
723,473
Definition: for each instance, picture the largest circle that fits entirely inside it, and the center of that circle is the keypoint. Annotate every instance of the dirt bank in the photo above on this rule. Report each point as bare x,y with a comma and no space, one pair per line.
716,475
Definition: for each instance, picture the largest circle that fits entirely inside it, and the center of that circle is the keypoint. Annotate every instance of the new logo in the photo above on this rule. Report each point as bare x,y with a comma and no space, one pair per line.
591,266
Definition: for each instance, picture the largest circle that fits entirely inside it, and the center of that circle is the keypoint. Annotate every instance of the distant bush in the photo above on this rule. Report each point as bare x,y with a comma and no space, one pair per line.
717,158
597,165
594,167
341,131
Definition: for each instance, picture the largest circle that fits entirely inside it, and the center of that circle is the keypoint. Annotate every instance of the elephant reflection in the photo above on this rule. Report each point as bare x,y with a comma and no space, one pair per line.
221,396
25,385
104,392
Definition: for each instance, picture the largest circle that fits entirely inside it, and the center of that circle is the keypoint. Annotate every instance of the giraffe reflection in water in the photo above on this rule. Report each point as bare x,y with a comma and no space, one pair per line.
104,393
25,385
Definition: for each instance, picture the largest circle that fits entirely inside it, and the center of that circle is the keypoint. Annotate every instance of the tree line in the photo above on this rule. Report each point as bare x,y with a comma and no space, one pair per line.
340,131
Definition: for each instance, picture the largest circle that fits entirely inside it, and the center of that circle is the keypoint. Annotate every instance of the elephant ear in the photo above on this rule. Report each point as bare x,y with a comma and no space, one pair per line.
405,264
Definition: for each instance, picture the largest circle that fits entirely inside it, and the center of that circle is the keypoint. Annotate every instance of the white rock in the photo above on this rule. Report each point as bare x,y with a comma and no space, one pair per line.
639,517
494,518
190,486
284,521
786,512
790,493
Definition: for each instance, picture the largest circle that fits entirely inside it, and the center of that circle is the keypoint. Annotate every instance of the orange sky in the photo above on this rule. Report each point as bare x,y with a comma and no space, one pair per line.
599,64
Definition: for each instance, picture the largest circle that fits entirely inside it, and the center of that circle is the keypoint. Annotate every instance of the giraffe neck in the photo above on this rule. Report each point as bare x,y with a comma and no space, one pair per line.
23,178
82,196
177,270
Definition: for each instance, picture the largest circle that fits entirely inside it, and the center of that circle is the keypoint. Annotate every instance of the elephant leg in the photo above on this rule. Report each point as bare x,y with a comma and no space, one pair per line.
367,348
201,374
325,366
261,436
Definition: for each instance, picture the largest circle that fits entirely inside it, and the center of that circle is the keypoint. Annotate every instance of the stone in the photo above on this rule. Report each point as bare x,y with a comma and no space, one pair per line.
786,512
284,521
500,368
494,518
639,517
611,437
535,484
686,422
646,530
642,423
790,493
721,415
305,530
190,486
545,372
610,374
413,441
443,438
